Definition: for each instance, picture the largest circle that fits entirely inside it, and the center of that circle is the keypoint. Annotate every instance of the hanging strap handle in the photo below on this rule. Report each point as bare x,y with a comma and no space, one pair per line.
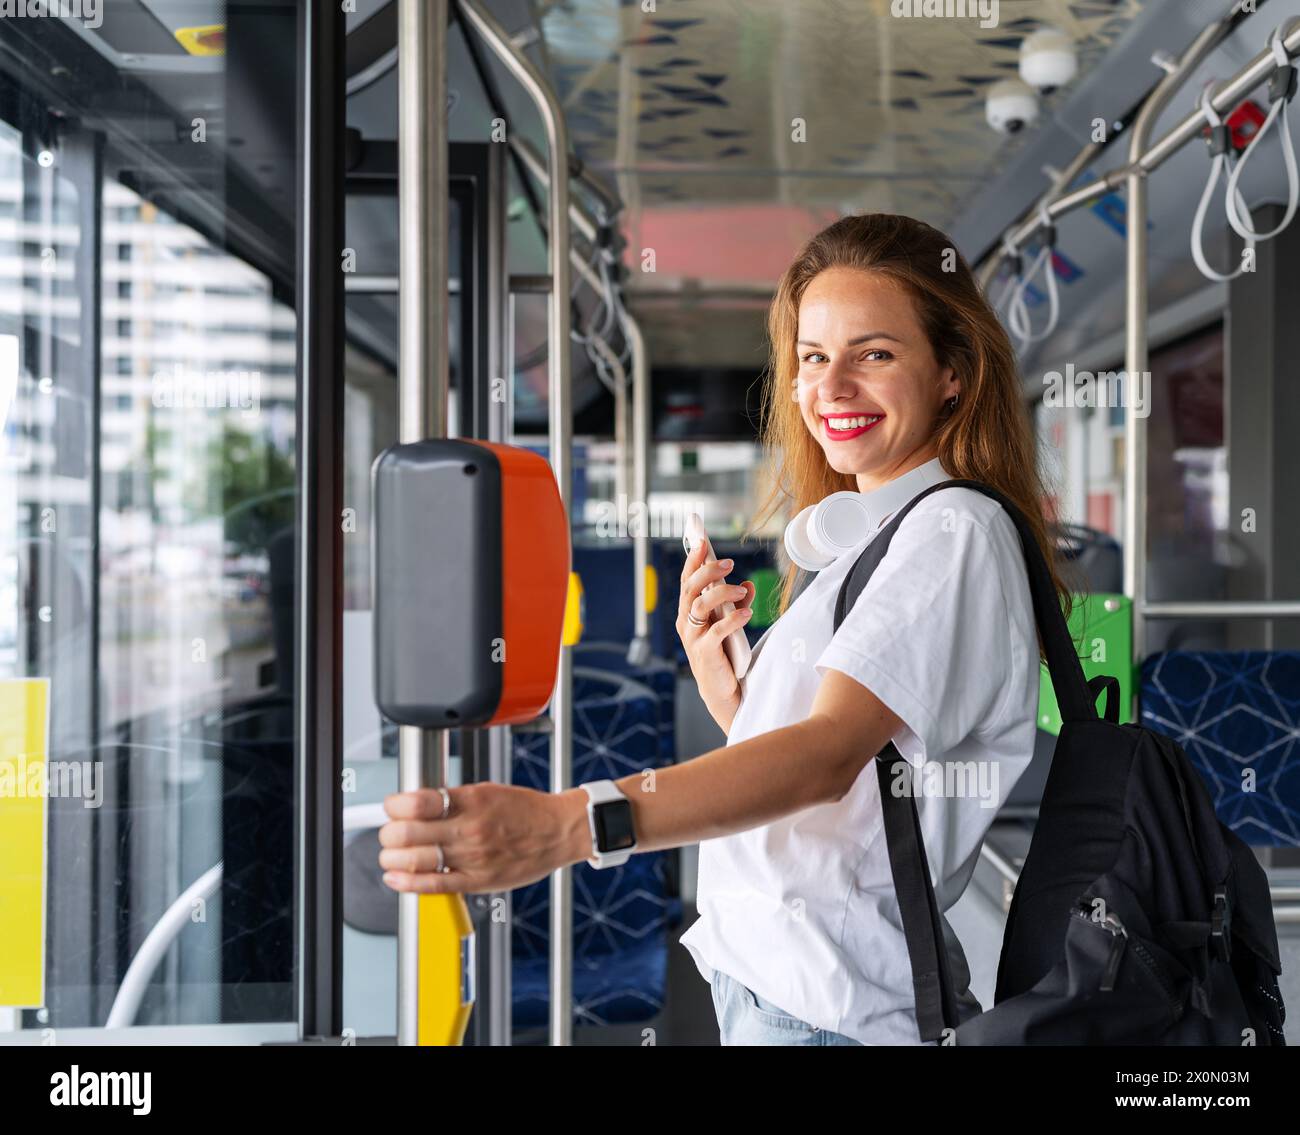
1220,142
1018,313
1281,89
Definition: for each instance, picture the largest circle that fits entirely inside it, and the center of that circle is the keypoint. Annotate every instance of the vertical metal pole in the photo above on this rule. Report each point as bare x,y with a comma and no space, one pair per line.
423,367
561,442
640,478
499,427
1135,318
1135,435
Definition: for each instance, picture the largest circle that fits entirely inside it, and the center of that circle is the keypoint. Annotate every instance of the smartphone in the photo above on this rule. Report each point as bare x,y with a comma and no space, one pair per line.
735,644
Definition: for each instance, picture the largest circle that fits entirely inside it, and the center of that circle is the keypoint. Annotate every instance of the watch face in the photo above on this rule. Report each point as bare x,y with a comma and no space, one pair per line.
614,826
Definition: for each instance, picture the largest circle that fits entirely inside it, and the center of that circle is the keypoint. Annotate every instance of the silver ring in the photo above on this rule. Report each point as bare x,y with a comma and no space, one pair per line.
446,803
690,618
442,867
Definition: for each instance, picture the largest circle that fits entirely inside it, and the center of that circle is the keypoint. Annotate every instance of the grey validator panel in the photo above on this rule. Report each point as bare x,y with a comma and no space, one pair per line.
436,583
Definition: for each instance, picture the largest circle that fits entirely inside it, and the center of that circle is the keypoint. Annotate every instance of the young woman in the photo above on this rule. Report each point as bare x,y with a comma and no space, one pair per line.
889,373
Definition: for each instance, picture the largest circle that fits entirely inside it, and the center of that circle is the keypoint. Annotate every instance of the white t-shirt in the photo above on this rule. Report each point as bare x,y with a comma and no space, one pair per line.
803,910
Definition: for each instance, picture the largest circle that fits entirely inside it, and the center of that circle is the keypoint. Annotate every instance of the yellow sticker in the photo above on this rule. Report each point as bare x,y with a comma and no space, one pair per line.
207,40
24,745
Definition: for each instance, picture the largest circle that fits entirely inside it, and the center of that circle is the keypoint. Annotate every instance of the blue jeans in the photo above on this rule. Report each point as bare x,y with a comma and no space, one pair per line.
747,1019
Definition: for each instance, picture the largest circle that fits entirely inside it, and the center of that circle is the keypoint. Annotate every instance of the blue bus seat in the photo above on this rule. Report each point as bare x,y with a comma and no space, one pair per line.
659,674
620,915
606,571
1234,711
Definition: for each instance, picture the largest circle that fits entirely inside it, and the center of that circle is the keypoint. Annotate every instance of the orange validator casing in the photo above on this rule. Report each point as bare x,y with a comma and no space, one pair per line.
470,578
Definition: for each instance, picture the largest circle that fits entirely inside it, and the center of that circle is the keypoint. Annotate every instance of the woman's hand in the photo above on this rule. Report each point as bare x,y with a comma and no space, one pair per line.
704,650
494,837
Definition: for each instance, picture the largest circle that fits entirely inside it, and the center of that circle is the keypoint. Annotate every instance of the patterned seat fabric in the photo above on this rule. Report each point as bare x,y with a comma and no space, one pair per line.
1237,716
620,915
658,674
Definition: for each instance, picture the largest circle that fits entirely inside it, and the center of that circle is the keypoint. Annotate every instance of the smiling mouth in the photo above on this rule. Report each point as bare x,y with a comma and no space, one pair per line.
841,427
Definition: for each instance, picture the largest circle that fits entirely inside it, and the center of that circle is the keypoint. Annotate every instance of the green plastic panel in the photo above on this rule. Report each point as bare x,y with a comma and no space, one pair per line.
1102,628
767,582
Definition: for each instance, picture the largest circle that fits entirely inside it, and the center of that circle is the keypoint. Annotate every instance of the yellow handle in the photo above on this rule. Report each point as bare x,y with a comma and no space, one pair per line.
573,611
446,993
651,589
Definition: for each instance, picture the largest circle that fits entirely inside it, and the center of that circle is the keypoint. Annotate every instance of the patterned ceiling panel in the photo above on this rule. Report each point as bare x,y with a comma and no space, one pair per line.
696,102
689,110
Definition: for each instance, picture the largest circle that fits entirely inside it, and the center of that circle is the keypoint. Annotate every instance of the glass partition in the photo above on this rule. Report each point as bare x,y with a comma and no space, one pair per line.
148,495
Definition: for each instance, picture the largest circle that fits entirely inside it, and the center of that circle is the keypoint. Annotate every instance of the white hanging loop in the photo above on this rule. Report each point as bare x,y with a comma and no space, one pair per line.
1281,89
1018,312
1220,142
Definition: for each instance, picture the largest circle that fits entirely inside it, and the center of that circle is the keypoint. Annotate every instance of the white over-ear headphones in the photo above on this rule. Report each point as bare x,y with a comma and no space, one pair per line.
824,531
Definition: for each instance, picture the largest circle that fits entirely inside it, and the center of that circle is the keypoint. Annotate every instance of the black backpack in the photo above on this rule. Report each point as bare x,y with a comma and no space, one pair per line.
1138,918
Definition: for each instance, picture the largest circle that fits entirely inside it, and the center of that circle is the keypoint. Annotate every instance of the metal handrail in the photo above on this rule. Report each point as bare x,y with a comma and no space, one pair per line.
639,649
561,443
1136,311
1055,204
1143,158
423,368
1222,609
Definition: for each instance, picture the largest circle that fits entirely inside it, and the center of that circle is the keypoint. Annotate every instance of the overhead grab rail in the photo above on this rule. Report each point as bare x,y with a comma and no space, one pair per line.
1143,158
1151,157
638,504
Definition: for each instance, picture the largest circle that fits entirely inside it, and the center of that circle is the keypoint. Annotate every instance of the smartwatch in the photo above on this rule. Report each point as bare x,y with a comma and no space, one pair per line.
609,815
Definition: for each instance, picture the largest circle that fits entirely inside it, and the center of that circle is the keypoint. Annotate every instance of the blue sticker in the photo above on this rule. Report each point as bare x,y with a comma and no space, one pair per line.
1111,208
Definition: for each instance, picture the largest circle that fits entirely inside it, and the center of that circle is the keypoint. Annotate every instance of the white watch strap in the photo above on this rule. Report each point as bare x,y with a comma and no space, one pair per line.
603,792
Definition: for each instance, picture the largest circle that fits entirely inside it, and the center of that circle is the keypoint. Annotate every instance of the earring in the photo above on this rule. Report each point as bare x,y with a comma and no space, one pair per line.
951,404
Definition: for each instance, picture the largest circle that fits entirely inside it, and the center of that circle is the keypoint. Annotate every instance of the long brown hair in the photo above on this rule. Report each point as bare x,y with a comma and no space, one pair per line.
986,438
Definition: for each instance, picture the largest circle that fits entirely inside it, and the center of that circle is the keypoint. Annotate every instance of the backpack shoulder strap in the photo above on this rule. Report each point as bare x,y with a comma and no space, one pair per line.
919,910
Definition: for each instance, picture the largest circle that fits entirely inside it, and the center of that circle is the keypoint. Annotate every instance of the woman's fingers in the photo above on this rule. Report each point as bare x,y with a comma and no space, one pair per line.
453,882
417,859
709,603
733,622
702,577
694,558
409,833
705,574
697,575
421,804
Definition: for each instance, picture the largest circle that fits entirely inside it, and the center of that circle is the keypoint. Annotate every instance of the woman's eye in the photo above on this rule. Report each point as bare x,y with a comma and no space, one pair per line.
882,353
814,355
